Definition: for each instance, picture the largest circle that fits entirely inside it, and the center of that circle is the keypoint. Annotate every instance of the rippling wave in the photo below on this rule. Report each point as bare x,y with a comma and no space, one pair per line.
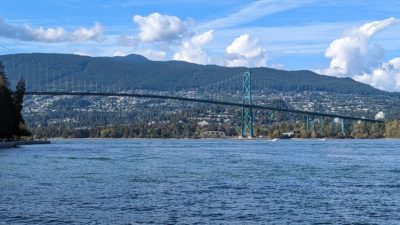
201,182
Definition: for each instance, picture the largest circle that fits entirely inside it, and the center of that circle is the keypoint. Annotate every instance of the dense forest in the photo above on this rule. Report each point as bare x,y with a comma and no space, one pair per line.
46,71
12,124
180,125
191,130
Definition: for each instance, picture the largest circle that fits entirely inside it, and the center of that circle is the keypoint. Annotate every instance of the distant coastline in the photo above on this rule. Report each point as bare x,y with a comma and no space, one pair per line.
14,144
228,138
4,145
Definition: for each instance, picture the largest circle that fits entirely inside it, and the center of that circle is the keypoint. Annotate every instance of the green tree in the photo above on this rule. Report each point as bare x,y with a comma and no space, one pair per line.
8,120
18,104
19,97
392,129
11,121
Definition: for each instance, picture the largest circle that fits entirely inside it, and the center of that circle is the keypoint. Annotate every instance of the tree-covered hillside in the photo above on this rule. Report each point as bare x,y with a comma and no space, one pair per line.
136,72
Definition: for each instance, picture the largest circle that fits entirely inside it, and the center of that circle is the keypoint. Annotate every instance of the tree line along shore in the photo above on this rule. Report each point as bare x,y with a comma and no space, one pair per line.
188,129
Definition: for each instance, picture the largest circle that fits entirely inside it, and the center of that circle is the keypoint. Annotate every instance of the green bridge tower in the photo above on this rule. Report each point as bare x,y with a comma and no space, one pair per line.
247,112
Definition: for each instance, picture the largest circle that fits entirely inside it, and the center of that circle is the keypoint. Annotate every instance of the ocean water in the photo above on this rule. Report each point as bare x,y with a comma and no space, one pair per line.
201,182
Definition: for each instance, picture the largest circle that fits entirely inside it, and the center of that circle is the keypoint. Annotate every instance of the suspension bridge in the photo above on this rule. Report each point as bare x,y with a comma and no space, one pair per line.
72,86
247,106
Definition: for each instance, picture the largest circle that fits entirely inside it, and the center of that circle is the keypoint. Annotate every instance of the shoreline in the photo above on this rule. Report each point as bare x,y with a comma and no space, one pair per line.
244,139
14,144
5,145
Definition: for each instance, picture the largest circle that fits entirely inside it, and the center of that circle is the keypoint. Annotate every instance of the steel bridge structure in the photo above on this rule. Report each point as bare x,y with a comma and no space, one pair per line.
247,105
57,85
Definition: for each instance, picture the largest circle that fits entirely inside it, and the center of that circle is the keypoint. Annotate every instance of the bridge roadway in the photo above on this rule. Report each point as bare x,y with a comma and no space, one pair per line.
166,97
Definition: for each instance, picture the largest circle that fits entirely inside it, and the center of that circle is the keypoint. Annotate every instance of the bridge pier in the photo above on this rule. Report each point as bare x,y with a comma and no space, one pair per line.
321,125
307,128
342,126
310,124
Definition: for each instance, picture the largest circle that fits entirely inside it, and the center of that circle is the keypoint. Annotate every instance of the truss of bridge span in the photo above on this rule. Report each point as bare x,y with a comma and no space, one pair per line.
212,134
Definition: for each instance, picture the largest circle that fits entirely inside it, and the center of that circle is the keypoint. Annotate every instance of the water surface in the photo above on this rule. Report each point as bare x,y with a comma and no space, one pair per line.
201,181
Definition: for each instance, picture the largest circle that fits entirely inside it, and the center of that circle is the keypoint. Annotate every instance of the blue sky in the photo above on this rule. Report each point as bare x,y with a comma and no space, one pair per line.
284,34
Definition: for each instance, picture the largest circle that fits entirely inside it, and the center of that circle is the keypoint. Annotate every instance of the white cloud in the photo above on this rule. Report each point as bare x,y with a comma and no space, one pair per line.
385,77
353,56
46,35
83,34
254,11
148,53
56,34
81,53
120,53
245,52
192,51
154,54
157,27
203,38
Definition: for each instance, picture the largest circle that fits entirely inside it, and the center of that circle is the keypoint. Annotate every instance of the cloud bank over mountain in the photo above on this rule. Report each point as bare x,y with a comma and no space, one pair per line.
192,51
353,56
245,51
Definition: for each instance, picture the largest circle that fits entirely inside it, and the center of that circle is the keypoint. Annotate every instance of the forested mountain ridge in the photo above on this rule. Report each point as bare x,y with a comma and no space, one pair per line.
131,72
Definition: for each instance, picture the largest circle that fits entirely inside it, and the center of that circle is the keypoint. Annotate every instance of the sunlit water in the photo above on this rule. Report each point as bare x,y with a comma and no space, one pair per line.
201,181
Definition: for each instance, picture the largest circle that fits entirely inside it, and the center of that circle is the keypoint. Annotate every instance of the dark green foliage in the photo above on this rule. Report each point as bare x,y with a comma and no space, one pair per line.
19,95
392,129
18,104
8,120
11,121
142,129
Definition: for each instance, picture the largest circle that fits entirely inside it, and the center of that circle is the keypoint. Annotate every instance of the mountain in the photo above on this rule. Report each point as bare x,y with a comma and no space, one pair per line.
131,72
133,58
